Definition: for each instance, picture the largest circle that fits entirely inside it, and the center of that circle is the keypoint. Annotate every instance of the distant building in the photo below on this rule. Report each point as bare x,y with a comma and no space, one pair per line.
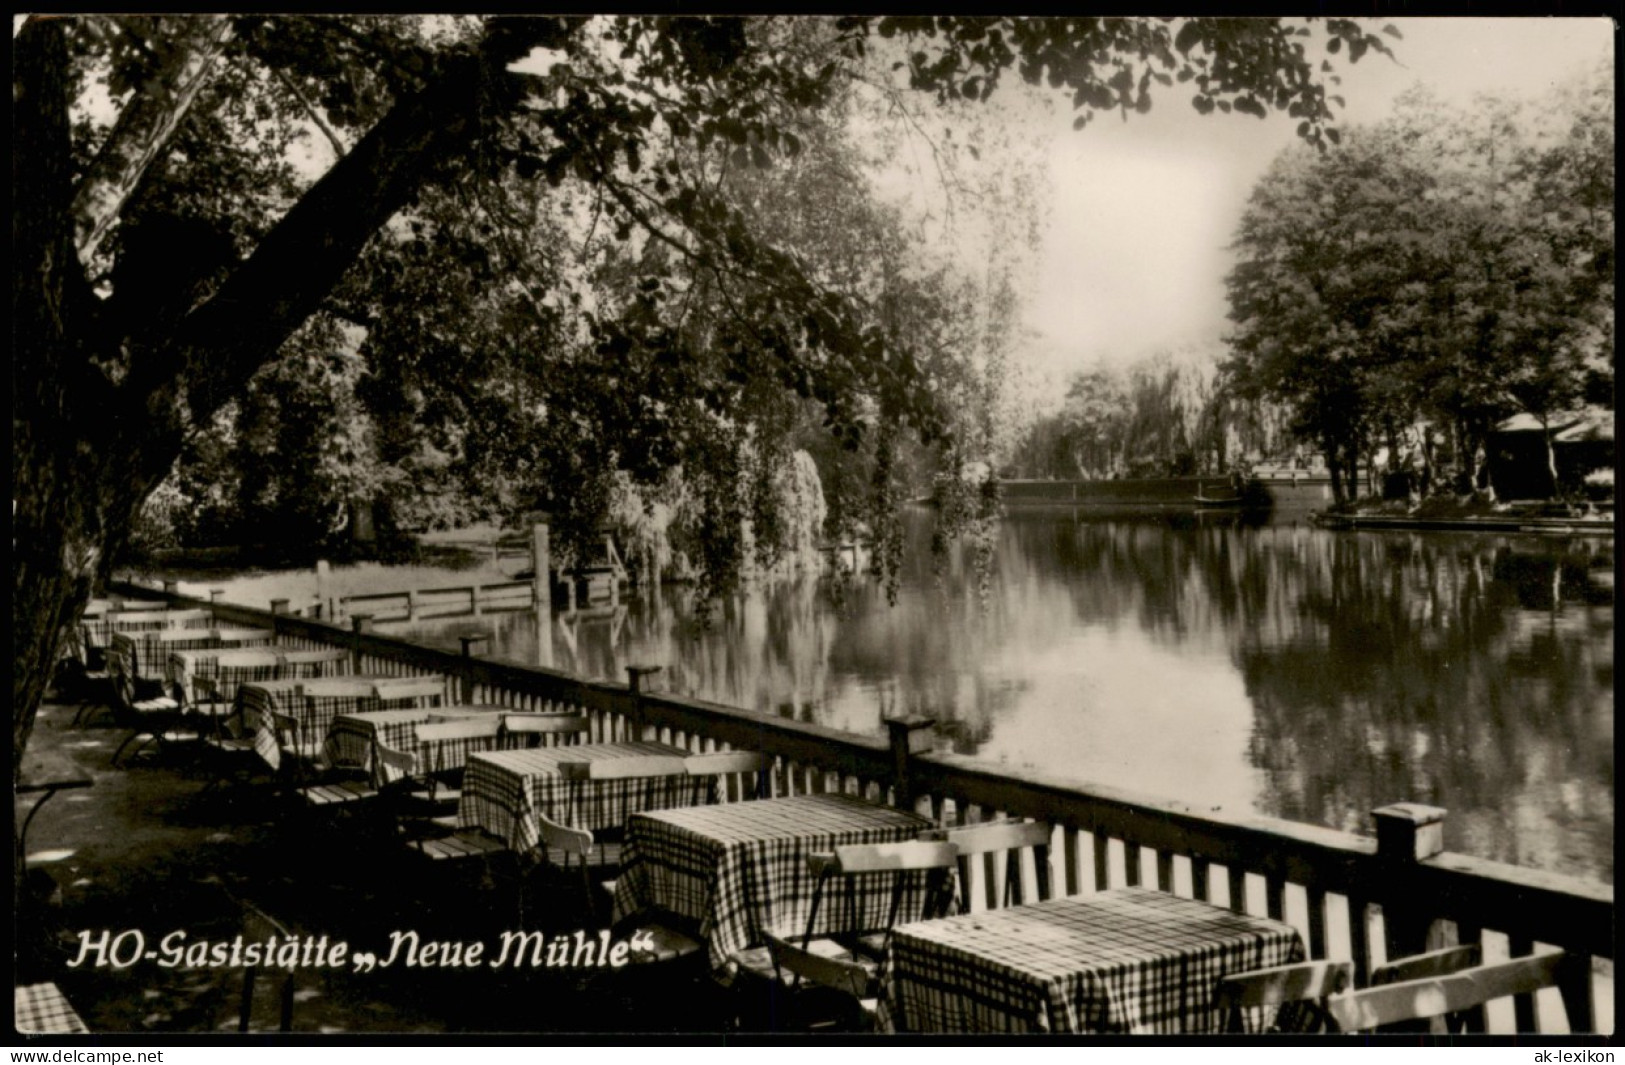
1582,444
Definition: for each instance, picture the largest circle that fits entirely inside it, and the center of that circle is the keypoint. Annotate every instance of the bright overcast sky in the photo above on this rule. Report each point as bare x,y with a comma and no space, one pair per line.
1134,255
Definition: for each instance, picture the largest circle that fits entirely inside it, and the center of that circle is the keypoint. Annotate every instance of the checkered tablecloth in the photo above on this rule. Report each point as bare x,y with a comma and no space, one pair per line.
1129,960
41,1008
185,667
353,736
149,652
500,785
259,701
738,868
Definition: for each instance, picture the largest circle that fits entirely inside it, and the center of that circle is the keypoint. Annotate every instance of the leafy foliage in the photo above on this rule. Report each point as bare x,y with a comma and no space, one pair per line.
1442,271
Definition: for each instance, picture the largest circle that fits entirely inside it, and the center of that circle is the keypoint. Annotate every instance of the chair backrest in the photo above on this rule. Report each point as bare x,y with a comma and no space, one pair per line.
1434,996
315,663
230,635
247,658
1441,962
1009,838
402,763
847,977
1434,963
628,768
411,691
1262,990
933,860
190,619
438,739
904,856
322,699
339,687
574,842
132,606
521,729
469,728
710,770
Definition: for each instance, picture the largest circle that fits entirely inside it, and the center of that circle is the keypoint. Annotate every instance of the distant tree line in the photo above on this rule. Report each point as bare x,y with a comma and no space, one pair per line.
1440,272
1166,415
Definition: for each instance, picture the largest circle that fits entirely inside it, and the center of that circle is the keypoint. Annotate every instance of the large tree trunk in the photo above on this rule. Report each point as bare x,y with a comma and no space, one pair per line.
88,445
50,568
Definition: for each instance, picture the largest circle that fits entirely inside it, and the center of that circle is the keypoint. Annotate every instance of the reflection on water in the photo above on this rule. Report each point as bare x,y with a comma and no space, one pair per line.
1274,668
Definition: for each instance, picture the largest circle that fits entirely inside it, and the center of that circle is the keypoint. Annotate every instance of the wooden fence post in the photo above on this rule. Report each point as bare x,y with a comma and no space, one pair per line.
635,675
468,640
359,624
541,563
1407,833
909,736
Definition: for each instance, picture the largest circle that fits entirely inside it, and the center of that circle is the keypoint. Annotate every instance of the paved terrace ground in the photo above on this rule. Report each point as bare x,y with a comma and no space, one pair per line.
148,847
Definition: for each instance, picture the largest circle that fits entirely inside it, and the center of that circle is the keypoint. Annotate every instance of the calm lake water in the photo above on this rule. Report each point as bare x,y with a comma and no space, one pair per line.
1273,668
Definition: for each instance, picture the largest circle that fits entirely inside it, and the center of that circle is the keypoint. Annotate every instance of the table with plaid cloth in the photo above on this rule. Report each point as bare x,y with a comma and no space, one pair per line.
186,667
499,786
41,1008
353,736
258,702
149,652
1127,960
737,868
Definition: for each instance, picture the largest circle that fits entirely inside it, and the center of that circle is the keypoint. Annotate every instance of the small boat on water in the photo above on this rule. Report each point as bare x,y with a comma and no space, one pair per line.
1228,497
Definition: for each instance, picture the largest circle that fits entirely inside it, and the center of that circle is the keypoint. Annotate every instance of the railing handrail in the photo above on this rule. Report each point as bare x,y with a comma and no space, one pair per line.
1528,904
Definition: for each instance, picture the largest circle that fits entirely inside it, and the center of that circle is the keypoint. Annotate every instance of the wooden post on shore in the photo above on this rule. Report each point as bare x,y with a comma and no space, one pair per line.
469,640
541,563
634,680
323,572
359,624
909,736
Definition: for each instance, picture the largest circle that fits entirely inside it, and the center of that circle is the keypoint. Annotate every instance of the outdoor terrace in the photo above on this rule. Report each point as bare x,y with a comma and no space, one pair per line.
152,848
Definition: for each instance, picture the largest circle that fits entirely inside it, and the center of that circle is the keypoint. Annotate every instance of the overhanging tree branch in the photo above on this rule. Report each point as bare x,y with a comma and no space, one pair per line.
144,128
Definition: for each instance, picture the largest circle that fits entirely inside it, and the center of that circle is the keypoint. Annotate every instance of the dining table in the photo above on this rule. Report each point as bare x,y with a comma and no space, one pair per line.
354,738
1127,960
733,869
503,791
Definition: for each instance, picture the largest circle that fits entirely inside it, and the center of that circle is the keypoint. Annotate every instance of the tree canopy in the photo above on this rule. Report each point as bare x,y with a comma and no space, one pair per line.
167,246
1443,270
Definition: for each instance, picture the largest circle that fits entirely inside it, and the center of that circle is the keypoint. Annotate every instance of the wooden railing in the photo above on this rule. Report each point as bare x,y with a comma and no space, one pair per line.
419,603
1366,899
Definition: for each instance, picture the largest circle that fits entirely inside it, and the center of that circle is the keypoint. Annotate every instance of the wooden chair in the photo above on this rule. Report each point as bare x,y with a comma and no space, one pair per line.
542,730
1382,1008
211,680
992,838
347,789
153,718
662,777
443,747
828,965
87,676
711,772
301,735
1261,994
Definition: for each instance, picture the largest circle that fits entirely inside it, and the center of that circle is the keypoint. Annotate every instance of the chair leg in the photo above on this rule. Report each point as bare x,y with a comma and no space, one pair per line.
131,738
